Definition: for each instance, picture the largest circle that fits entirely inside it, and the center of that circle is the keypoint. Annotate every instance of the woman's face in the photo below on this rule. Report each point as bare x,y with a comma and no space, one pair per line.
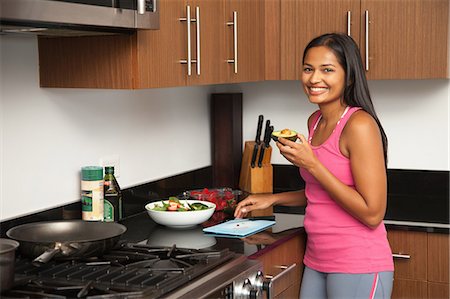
323,77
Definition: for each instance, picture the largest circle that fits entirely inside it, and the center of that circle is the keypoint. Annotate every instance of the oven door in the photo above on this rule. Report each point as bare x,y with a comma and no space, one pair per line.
240,278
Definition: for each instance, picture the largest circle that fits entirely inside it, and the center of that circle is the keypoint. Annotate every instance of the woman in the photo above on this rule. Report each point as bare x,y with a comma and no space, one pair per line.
343,163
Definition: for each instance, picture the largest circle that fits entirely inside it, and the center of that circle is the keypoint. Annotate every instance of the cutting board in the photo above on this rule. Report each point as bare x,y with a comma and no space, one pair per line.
239,228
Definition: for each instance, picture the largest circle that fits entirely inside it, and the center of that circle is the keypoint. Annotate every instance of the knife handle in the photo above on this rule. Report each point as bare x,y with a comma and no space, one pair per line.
261,155
259,129
255,152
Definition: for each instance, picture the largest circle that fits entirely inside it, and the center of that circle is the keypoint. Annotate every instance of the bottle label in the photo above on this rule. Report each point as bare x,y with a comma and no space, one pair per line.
92,200
108,211
86,201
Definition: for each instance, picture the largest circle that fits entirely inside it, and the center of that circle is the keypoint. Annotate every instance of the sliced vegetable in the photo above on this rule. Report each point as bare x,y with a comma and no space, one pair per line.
174,204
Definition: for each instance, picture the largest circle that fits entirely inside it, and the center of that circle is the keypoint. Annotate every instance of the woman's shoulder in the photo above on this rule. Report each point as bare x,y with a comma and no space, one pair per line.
361,123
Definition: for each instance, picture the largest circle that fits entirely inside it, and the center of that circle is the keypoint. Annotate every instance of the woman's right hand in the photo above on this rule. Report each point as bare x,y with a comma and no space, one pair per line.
251,203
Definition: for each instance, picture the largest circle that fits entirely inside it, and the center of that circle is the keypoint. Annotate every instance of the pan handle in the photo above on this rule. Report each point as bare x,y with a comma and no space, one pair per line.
47,255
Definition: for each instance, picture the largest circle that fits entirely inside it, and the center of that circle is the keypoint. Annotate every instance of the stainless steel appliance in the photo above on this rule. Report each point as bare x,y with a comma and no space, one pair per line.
77,17
137,270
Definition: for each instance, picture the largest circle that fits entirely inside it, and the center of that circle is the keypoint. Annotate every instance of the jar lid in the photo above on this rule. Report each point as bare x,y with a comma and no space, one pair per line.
91,173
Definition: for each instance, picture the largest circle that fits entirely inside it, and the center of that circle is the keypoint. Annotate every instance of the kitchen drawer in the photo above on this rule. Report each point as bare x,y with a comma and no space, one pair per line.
438,258
438,290
283,263
410,254
409,289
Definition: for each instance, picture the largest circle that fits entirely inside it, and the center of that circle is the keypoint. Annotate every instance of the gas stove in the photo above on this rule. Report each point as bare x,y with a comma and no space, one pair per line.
135,270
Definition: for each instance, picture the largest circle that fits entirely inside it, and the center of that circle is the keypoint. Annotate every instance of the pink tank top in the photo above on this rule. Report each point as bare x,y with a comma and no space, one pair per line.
337,242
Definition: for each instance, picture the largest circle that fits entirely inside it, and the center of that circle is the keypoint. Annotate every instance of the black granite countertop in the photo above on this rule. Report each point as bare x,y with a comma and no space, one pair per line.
141,228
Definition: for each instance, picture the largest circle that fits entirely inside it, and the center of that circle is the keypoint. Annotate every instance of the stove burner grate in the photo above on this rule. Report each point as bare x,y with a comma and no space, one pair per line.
131,271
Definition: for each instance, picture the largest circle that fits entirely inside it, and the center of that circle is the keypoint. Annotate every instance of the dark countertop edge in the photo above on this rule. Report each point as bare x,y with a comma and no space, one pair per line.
417,226
278,242
430,227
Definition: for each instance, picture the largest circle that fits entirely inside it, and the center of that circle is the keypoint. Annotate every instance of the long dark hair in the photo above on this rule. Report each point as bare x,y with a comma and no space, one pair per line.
356,91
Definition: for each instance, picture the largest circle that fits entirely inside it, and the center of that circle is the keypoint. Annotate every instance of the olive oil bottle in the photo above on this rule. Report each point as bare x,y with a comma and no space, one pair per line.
113,197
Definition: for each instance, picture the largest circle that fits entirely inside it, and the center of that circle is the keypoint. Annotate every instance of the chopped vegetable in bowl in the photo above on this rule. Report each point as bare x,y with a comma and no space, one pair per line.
174,204
193,212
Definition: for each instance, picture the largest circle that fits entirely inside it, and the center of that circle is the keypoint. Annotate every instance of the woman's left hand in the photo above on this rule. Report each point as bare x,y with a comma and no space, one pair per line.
299,154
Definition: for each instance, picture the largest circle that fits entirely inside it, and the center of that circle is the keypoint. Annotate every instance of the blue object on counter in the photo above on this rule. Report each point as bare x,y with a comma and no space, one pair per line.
238,228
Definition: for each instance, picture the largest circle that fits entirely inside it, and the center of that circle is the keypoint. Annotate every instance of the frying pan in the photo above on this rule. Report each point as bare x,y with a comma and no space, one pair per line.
66,238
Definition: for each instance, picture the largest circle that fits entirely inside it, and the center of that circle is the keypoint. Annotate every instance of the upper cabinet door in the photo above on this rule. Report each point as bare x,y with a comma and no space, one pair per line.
408,39
244,36
303,20
159,52
207,42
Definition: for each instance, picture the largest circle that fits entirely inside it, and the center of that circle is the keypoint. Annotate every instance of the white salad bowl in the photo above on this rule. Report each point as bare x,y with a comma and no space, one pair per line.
180,219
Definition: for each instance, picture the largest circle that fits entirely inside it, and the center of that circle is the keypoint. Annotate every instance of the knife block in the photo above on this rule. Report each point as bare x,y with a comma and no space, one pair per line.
257,179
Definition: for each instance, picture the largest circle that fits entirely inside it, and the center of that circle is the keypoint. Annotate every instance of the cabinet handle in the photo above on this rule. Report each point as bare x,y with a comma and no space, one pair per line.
189,54
197,21
366,16
268,284
349,23
141,7
401,256
235,41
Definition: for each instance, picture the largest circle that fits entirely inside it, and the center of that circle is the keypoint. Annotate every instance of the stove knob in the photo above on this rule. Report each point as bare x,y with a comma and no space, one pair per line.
257,281
255,294
243,291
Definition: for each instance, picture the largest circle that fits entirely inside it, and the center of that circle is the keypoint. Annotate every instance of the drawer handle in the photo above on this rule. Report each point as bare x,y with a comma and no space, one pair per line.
401,256
268,284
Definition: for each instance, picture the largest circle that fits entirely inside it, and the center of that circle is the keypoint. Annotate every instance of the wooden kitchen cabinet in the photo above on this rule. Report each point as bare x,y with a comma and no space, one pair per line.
283,263
438,266
249,35
421,264
305,19
408,39
153,58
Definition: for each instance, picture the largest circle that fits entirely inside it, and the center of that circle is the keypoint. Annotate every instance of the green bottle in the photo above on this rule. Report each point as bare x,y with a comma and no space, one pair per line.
113,197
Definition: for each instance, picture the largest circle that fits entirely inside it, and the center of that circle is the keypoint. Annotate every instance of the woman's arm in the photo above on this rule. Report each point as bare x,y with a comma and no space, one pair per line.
263,201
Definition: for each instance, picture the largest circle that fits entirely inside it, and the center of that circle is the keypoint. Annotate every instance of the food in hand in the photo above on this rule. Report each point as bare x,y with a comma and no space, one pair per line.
285,133
174,204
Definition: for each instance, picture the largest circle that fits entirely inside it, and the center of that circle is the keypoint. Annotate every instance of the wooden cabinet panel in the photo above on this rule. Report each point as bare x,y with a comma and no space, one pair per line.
413,244
250,40
407,38
87,62
438,290
438,258
316,17
426,273
159,51
409,289
289,55
272,39
212,42
278,258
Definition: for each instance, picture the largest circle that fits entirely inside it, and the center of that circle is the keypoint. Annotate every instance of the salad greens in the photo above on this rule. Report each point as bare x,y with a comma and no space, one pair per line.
174,204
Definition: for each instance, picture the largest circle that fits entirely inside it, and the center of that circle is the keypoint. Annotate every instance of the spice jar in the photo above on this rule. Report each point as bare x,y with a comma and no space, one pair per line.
92,193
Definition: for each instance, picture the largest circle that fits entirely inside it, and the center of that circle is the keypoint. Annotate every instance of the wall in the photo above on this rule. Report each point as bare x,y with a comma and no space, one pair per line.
46,135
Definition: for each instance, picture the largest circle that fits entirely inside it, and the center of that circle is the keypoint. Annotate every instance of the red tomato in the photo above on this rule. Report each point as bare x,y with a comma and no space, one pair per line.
173,206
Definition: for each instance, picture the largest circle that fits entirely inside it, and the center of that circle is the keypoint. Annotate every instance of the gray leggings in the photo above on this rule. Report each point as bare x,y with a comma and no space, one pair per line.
319,285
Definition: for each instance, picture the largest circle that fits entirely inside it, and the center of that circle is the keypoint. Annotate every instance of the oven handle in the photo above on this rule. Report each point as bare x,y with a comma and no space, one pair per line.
268,284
